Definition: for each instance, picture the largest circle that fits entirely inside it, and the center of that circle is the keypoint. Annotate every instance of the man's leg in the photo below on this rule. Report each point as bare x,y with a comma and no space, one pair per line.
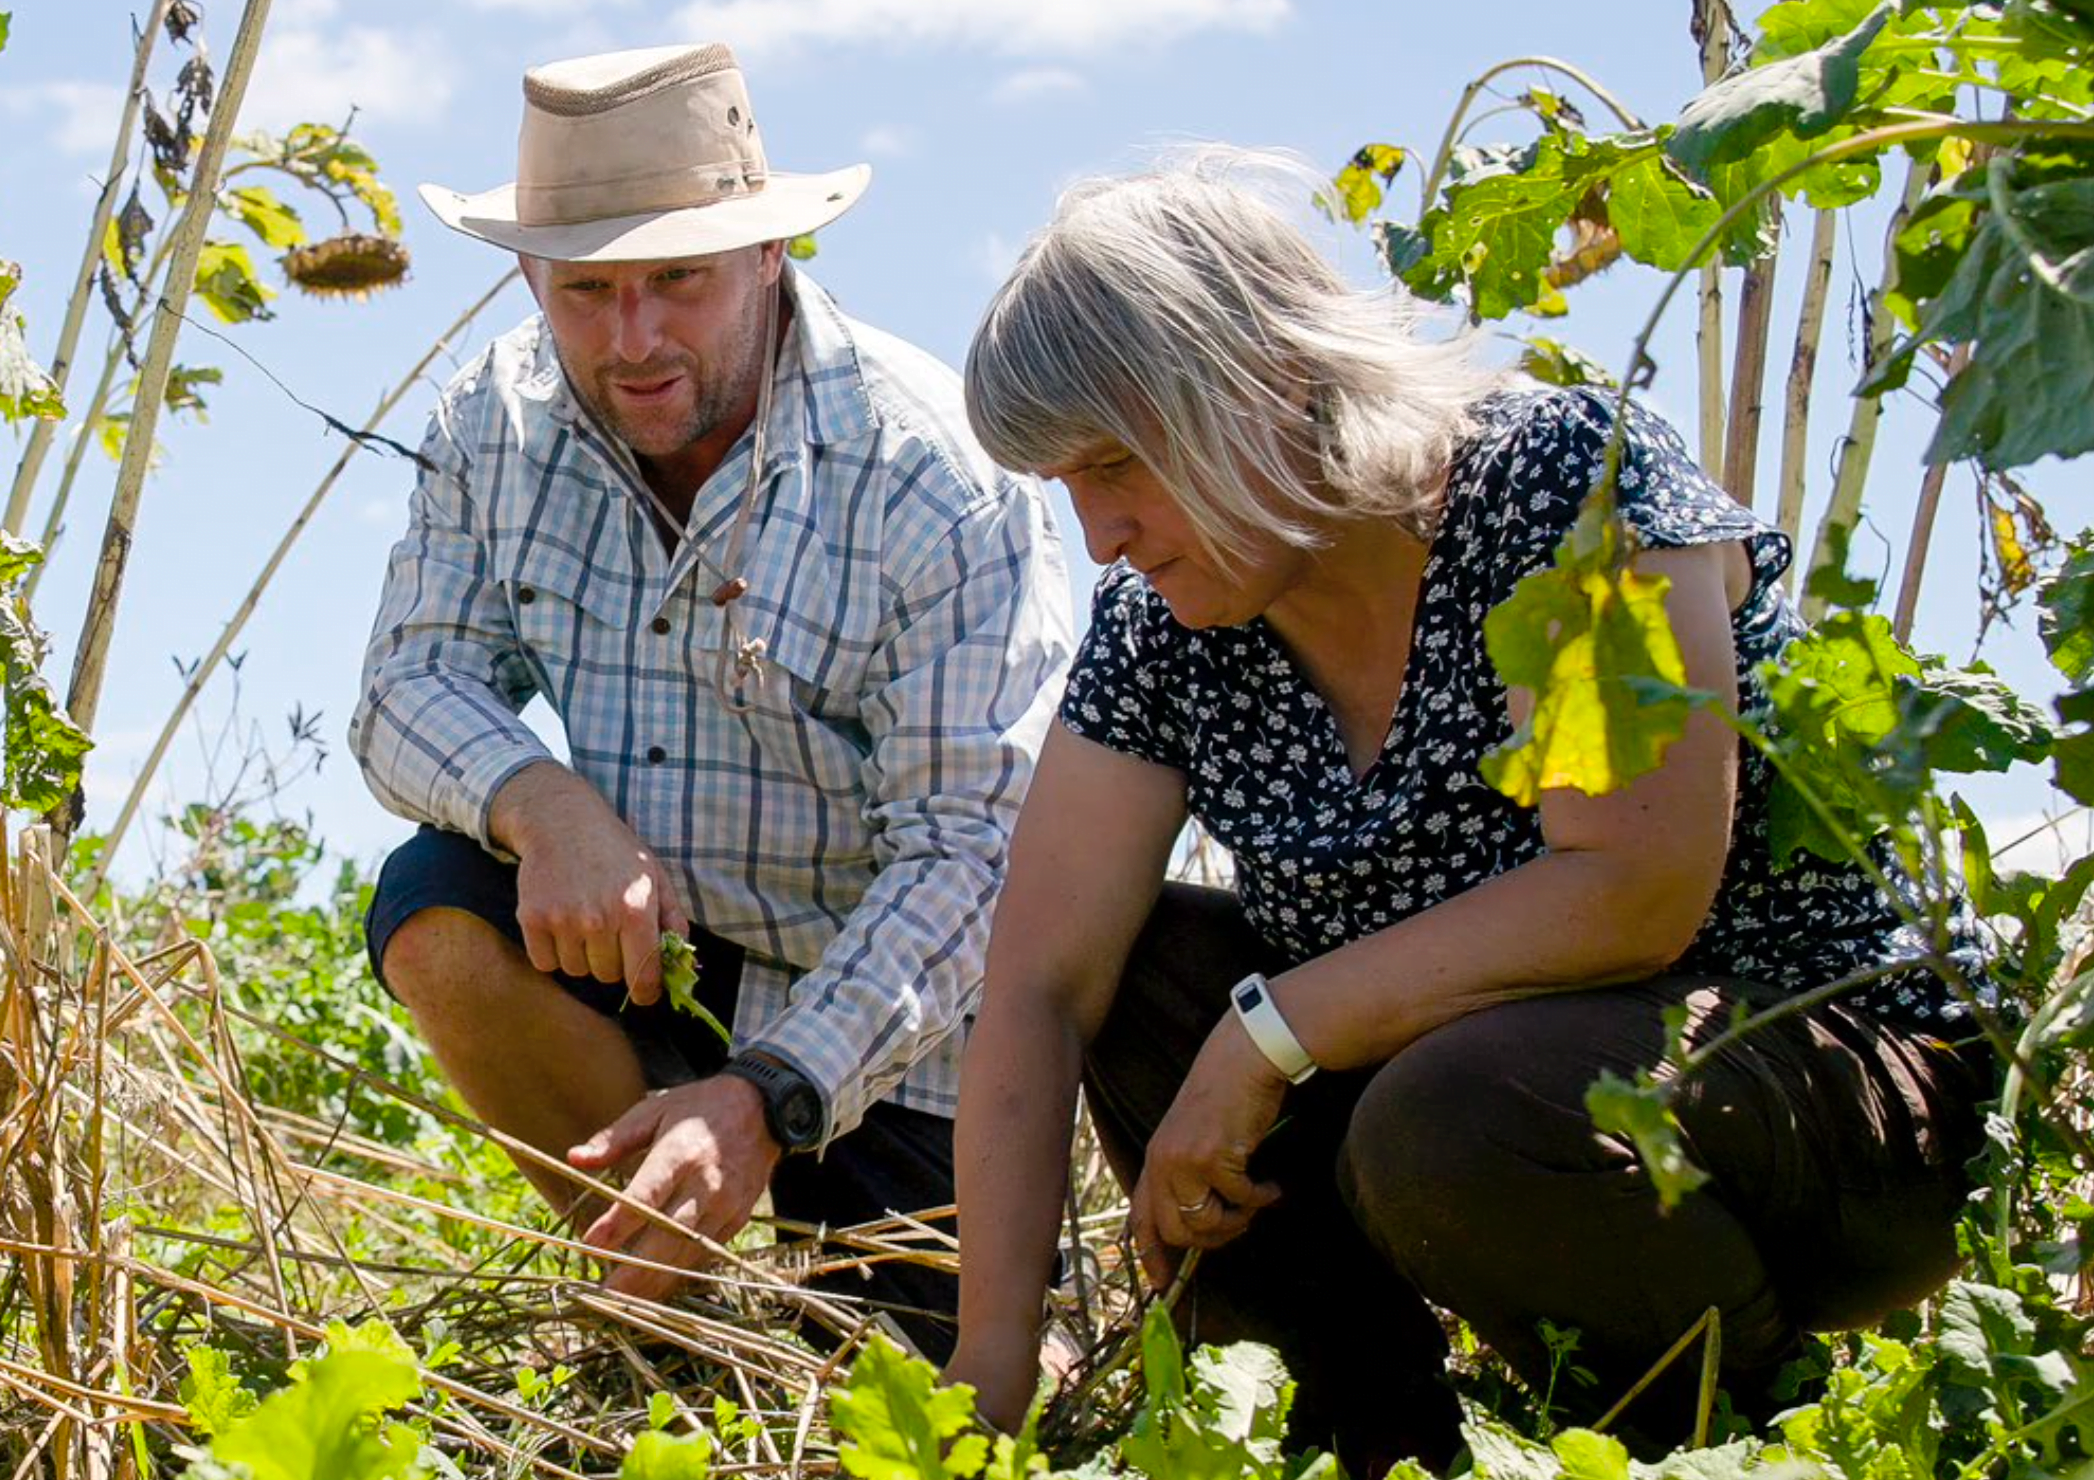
530,1057
896,1160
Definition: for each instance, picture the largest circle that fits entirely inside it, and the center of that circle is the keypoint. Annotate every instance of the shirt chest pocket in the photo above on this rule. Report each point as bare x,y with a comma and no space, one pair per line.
573,617
807,712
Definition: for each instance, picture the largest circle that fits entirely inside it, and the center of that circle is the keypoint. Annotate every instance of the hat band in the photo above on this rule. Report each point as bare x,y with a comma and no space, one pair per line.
573,202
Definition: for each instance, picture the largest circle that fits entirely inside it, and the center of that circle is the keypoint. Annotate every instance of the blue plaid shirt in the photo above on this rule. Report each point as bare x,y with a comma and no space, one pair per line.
851,830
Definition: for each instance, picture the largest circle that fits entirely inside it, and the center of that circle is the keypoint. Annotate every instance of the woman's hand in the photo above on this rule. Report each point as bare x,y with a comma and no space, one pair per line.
1195,1190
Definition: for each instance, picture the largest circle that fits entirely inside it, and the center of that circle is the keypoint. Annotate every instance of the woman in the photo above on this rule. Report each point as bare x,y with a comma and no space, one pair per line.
1307,513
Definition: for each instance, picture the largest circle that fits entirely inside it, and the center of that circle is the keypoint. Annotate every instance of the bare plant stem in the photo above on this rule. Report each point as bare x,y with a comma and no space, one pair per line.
1713,22
1748,380
1444,156
1923,526
1860,444
83,697
238,622
54,517
40,433
1803,368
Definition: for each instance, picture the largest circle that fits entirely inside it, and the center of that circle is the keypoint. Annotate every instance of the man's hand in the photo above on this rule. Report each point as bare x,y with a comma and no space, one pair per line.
592,899
708,1158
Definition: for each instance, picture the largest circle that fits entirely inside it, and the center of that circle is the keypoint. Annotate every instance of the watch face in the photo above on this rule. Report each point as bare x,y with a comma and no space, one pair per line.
799,1114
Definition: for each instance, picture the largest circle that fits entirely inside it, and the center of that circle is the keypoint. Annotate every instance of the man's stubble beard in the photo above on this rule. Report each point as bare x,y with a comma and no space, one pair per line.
715,396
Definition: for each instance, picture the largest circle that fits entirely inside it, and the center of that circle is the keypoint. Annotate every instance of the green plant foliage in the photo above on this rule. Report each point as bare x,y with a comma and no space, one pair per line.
1804,94
215,1398
680,981
226,281
1575,636
325,1425
659,1456
1557,362
1356,191
6,19
898,1424
1640,1112
802,248
44,750
25,390
257,208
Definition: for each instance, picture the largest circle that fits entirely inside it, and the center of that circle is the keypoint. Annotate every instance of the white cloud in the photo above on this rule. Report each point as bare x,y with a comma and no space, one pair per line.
994,256
1015,27
886,142
82,116
1036,82
565,8
307,76
2044,842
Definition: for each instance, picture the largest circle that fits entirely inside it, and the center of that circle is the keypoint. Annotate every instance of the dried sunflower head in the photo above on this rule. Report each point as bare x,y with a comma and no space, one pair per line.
349,266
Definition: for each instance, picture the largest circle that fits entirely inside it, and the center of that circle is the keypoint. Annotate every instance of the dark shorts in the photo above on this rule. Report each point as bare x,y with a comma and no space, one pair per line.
896,1159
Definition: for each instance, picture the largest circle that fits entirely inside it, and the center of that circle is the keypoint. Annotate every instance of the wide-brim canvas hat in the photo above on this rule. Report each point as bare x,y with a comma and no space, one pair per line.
643,155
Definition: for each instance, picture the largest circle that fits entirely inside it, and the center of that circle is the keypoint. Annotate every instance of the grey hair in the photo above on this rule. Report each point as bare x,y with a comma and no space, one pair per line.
1180,313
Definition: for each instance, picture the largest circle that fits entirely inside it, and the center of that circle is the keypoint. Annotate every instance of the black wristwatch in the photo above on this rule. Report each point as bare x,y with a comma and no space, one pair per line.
792,1106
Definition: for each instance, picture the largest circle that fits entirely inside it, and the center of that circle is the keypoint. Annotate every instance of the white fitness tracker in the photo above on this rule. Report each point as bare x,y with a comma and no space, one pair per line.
1252,998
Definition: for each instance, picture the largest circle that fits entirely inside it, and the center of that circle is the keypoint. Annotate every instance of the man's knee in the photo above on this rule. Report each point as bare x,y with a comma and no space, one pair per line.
438,953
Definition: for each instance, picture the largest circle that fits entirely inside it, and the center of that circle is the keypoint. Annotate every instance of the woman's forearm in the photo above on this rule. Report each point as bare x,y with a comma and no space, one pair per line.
1011,1159
1566,919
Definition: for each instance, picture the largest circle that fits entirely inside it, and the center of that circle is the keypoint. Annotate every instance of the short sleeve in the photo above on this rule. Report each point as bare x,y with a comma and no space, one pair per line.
1542,454
1121,694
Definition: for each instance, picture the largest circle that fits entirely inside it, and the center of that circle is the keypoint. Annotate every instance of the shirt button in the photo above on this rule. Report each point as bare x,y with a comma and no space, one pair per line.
656,755
660,625
525,596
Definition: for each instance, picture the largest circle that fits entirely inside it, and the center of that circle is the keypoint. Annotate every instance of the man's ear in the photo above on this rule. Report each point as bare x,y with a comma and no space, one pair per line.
773,261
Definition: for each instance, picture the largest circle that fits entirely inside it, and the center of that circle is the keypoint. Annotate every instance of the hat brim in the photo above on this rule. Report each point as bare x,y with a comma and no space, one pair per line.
787,206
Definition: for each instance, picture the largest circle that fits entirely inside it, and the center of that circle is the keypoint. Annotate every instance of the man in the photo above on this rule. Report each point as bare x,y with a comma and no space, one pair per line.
804,639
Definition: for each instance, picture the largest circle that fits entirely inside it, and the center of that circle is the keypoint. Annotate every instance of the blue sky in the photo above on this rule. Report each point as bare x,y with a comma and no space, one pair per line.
974,113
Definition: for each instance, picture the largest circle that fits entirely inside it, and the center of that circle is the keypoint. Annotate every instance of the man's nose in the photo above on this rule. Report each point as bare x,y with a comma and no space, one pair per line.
638,330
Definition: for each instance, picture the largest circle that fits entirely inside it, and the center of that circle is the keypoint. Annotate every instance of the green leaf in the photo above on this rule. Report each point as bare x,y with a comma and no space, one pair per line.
6,20
2022,296
1659,214
661,1410
1835,694
257,208
659,1456
17,557
1976,723
226,281
1641,1112
43,748
183,393
801,248
1828,580
1571,636
1357,190
1795,27
321,1426
1163,1361
25,390
1805,94
214,1397
1555,362
1242,1393
896,1423
1590,1456
680,981
2066,603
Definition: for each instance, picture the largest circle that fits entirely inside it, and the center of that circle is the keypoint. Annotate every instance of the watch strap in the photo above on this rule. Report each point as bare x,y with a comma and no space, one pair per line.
780,1085
1260,1016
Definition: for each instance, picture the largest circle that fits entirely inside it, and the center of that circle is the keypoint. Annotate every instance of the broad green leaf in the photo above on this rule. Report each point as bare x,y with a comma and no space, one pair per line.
1804,94
257,208
43,749
661,1409
1499,1453
659,1456
1930,247
1641,1113
1356,191
680,981
17,556
2066,603
1829,580
1555,362
1163,1361
1836,700
226,281
1571,635
1590,1456
1978,723
320,1427
1795,27
2023,297
896,1423
214,1397
25,390
1242,1392
1659,214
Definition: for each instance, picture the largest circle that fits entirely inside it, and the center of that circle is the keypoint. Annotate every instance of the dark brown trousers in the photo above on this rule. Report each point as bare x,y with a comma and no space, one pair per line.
1467,1171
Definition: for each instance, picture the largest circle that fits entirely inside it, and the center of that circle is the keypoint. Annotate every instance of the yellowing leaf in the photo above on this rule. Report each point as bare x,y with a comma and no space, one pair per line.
1577,636
1356,190
226,281
257,208
2016,573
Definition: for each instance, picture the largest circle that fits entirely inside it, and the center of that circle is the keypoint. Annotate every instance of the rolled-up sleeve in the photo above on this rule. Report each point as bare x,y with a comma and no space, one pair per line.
436,728
961,693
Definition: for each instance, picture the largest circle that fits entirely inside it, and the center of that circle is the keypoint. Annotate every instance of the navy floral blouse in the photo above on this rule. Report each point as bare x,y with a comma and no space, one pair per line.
1322,858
